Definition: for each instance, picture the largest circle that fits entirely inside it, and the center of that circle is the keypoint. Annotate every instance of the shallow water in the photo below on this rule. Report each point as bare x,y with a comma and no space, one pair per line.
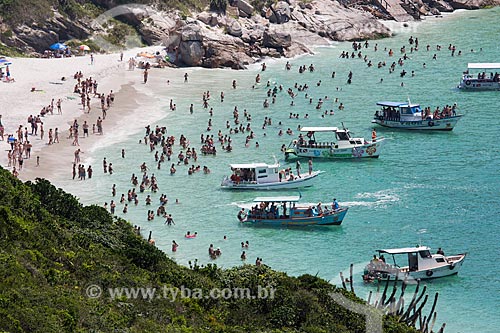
435,189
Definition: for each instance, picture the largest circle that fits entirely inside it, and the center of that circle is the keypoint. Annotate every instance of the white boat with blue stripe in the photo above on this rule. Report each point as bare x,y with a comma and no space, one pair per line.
405,115
284,211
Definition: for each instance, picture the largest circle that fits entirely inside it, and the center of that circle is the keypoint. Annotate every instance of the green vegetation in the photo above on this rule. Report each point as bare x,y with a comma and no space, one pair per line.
52,248
9,51
218,6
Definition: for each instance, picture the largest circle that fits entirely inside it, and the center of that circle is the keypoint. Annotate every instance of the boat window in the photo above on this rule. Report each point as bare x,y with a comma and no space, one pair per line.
425,254
263,176
440,259
342,136
262,171
413,261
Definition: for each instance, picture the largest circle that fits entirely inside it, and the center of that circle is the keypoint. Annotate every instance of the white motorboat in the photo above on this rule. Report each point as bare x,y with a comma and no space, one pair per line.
342,145
405,115
481,80
419,264
262,176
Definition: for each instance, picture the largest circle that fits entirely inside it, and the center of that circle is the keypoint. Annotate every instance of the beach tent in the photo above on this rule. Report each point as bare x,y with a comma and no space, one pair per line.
58,46
84,47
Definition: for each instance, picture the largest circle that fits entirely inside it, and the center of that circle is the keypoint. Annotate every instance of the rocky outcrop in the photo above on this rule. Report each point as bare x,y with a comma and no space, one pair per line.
236,39
276,39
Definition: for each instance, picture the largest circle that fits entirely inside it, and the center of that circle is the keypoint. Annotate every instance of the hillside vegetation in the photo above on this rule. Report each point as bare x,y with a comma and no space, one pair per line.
52,248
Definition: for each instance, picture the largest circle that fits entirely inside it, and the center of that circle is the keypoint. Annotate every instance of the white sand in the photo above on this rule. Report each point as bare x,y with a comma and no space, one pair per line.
18,102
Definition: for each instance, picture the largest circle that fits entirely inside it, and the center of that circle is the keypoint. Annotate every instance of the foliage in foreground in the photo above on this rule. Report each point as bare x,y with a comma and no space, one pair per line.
52,248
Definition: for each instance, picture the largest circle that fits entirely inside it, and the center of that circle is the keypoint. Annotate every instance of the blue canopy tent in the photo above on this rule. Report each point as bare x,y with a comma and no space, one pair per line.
58,46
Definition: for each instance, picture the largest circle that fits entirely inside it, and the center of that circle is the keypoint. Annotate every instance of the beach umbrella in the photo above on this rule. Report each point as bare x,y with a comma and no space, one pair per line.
4,62
58,46
84,47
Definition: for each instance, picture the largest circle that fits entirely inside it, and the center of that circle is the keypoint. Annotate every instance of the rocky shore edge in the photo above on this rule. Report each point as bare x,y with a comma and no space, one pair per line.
237,34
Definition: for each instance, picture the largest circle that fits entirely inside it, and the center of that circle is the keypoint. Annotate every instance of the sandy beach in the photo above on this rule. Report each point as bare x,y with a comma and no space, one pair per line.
45,77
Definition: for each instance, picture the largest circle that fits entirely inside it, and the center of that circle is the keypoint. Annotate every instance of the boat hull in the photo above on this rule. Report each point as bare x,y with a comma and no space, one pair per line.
367,150
305,181
333,218
445,124
478,85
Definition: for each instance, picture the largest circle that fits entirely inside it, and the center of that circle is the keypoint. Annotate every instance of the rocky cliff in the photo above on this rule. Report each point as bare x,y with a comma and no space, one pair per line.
222,34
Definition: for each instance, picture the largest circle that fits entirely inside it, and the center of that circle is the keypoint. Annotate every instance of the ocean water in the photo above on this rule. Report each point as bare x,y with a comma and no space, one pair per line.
434,189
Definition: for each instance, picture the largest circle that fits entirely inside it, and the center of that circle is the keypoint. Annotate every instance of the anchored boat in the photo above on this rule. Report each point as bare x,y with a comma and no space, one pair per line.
481,80
284,211
419,263
342,145
262,176
404,115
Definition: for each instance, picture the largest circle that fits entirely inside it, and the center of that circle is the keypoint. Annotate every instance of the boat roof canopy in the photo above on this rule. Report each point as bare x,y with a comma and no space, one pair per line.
396,104
319,129
405,250
293,198
483,65
253,165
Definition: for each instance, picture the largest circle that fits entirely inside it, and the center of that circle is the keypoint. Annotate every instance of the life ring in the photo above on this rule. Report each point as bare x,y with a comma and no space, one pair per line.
429,273
467,82
431,123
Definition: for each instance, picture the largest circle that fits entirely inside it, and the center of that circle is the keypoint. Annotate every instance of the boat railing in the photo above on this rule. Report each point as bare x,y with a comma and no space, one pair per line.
318,145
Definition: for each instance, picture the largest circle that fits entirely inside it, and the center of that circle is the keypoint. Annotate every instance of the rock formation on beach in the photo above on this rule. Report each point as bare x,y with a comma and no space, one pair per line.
225,33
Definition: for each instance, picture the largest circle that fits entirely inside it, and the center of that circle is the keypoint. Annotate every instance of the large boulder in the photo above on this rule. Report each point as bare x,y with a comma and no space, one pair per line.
280,13
191,32
441,5
244,7
276,39
191,53
234,28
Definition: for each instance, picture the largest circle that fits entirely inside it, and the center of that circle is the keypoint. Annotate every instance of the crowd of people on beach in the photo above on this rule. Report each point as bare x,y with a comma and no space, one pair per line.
182,152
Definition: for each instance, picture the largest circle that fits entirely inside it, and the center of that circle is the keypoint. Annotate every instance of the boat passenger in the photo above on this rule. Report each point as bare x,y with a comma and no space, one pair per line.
440,251
335,204
319,209
242,215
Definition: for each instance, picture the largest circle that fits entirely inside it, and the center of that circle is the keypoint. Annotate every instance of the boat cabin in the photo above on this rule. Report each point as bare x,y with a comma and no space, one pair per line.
259,173
417,258
342,137
482,75
269,207
399,111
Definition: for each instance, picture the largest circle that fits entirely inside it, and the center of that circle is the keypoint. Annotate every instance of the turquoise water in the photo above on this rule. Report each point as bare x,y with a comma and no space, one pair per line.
437,189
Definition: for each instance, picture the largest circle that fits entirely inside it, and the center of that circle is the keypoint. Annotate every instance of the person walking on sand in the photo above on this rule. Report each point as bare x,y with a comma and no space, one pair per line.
59,110
146,76
91,59
77,155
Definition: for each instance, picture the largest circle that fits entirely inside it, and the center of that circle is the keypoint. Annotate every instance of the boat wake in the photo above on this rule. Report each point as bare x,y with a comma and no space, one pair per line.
374,199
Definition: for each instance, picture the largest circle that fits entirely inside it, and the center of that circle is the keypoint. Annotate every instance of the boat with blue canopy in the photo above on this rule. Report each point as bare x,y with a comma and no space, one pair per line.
406,115
284,211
